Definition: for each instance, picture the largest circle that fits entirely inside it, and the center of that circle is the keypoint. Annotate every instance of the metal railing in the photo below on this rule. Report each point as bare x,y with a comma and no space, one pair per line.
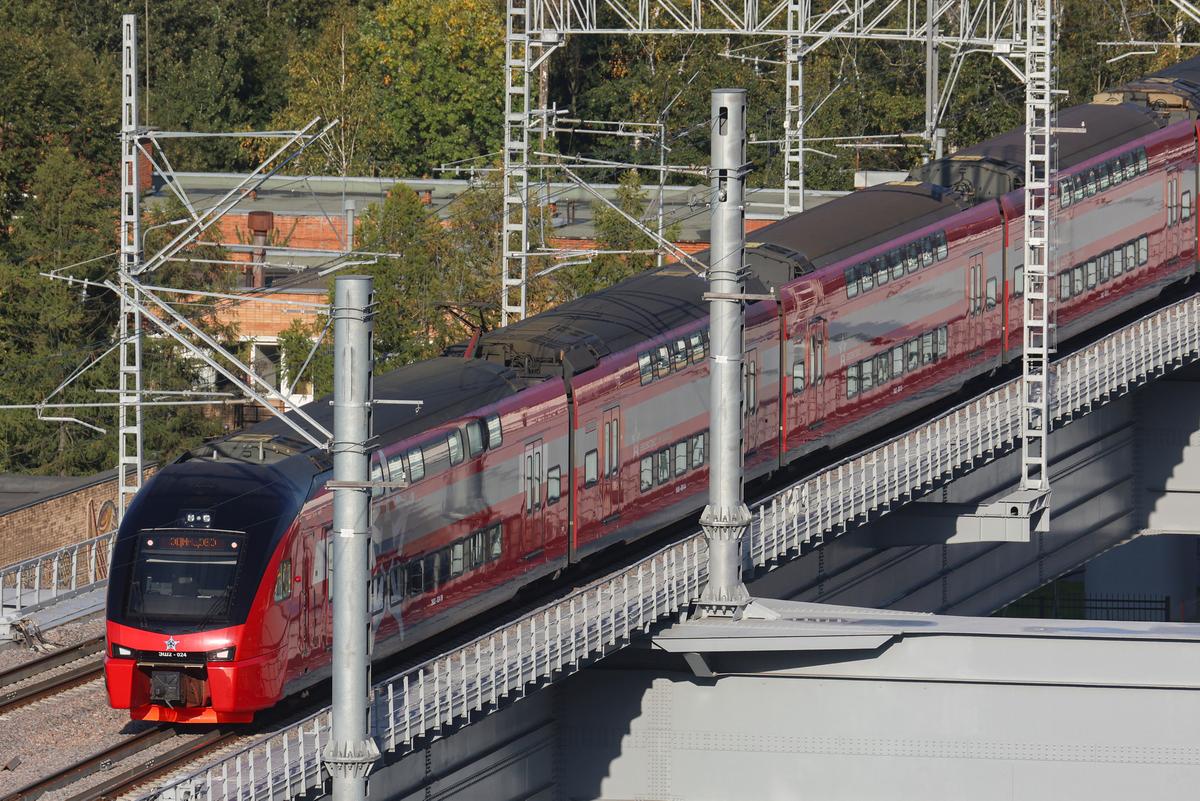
557,639
52,575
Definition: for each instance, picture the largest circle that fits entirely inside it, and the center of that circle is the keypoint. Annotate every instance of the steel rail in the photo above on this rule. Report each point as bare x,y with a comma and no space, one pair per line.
63,656
14,693
88,766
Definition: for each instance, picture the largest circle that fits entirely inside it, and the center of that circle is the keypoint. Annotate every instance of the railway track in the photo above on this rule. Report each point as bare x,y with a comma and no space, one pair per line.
17,688
125,779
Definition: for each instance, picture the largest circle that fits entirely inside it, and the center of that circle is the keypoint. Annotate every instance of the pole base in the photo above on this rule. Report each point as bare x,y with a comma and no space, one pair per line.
724,596
350,760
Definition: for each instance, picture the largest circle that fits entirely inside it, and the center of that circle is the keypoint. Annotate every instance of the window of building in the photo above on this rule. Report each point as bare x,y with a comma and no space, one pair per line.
591,468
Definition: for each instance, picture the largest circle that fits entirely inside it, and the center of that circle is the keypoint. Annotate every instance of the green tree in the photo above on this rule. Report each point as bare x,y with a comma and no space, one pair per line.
440,67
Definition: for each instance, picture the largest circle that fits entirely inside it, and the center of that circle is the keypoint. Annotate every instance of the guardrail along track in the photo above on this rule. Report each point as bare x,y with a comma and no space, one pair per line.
560,637
55,574
16,689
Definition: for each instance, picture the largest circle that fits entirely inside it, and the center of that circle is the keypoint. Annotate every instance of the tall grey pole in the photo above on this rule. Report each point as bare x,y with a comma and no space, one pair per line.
351,750
725,518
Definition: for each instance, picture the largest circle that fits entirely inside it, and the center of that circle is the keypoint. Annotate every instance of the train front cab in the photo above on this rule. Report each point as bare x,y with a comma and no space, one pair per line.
193,632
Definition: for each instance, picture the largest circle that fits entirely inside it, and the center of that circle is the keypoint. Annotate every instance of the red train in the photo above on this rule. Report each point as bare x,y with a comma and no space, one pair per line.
587,425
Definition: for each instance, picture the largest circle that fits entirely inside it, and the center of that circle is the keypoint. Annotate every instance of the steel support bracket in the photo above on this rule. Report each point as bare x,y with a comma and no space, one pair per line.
1013,518
350,760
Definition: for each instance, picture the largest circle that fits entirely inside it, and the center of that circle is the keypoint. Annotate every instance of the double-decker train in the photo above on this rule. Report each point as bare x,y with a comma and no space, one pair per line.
587,425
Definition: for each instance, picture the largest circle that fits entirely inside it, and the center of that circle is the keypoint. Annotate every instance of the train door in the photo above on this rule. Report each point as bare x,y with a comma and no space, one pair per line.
807,403
1175,228
610,479
306,568
750,400
534,519
975,309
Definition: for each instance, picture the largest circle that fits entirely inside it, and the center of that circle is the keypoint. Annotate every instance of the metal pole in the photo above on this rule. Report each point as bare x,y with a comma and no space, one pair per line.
351,751
725,518
933,134
130,458
793,118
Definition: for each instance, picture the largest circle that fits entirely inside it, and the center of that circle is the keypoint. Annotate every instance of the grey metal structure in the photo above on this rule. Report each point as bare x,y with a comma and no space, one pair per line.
351,750
130,454
546,644
725,518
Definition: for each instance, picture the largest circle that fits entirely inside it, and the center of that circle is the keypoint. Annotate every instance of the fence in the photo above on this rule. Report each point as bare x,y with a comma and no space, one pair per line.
52,575
559,638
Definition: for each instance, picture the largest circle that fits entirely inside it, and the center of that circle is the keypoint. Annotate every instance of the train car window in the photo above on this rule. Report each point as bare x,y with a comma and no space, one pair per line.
283,581
1019,281
912,257
897,361
645,367
1186,205
817,363
699,443
647,473
866,375
927,248
442,559
1076,189
591,468
415,572
797,368
883,368
475,437
1089,187
912,350
866,279
1118,261
942,343
679,355
455,445
697,343
1064,193
1116,166
1143,162
1172,208
928,354
1143,250
495,542
1089,274
681,457
1104,267
943,247
477,550
752,383
377,475
495,434
1128,166
662,466
614,447
553,485
1064,285
458,553
851,282
396,467
1102,174
396,589
1077,280
880,269
329,564
1130,256
537,480
416,464
662,362
896,260
852,380
529,482
990,292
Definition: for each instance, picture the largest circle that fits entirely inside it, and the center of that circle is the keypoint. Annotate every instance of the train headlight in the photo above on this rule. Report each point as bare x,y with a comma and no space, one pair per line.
121,652
222,655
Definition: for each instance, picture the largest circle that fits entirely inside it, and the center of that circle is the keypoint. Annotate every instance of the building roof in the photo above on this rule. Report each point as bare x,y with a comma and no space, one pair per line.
19,491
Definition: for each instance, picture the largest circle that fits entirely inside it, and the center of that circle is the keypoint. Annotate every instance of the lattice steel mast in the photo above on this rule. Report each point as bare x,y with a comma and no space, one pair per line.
1039,101
130,460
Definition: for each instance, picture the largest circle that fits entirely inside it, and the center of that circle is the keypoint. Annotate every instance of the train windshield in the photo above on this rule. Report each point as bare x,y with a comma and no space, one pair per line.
185,577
